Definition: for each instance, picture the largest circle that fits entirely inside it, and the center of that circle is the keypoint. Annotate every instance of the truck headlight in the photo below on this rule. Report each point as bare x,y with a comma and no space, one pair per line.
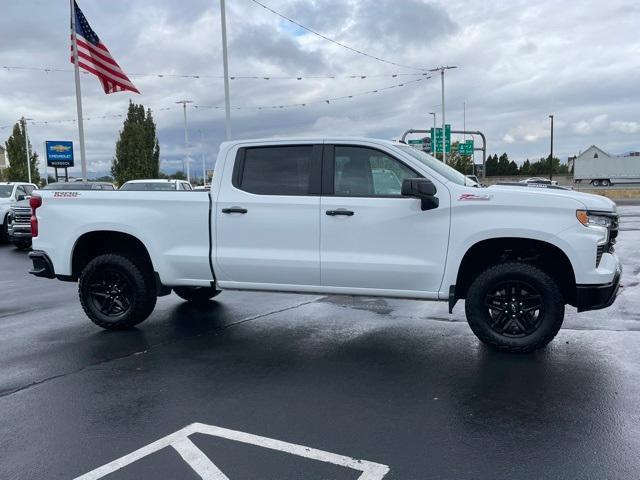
596,222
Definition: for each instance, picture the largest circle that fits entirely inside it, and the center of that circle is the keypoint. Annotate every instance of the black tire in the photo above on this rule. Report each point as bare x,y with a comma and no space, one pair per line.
4,233
595,183
116,292
196,294
606,183
528,320
24,246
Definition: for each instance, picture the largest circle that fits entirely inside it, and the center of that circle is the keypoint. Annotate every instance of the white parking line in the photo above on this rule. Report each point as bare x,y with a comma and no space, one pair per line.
207,470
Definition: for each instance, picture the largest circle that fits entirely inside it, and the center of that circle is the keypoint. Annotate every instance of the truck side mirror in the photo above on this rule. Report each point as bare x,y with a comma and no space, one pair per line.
423,189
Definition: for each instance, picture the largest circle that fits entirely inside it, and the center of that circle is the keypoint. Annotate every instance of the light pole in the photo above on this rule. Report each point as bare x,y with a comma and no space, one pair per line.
26,146
551,156
434,121
225,67
186,135
204,167
442,69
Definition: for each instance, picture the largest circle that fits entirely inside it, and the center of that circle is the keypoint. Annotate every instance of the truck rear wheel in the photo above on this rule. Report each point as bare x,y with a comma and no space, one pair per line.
514,307
196,294
116,292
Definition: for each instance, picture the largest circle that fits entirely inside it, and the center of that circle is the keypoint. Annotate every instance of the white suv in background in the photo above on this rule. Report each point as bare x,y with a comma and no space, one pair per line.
155,185
10,193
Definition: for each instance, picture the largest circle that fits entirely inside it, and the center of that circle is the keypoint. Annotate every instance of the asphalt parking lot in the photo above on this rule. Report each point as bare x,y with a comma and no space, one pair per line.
274,386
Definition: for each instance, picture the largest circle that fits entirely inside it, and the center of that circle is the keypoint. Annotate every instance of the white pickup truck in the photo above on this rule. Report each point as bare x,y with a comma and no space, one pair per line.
337,216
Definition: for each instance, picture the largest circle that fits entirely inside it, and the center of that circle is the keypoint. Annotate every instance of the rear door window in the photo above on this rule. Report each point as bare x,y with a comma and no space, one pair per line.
283,170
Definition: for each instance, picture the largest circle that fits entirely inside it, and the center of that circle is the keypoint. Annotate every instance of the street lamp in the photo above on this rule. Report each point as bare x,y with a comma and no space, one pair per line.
186,135
551,156
434,121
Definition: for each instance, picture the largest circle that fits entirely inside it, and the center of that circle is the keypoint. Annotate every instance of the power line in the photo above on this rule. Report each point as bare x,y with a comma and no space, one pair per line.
361,76
314,102
355,50
237,107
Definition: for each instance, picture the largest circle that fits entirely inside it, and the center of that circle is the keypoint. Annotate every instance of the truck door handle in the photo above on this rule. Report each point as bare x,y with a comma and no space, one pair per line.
333,213
234,210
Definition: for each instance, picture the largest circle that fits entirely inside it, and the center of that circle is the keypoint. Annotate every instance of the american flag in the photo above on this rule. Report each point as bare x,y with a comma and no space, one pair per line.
94,57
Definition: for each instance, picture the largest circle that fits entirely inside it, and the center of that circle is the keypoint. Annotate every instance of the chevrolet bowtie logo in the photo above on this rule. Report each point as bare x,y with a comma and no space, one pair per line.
60,148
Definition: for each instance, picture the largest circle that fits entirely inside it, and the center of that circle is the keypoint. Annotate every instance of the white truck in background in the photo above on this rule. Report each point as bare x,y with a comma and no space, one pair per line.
326,216
601,169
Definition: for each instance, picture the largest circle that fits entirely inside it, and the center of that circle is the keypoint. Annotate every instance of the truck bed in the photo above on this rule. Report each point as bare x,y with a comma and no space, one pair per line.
173,226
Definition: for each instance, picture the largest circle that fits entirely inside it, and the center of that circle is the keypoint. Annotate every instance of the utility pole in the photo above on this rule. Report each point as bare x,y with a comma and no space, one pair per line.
26,146
442,69
225,67
186,135
551,157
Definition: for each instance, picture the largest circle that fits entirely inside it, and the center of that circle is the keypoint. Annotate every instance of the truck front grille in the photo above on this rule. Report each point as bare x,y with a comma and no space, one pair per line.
21,215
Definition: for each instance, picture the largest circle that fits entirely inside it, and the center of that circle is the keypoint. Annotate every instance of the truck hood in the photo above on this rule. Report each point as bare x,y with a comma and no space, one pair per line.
590,201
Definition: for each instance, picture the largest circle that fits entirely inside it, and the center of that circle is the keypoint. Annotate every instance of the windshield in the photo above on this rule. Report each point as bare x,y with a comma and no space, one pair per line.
151,186
435,164
5,191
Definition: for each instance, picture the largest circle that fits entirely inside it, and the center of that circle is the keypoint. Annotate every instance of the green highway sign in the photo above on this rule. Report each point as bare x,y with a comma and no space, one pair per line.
466,148
436,139
415,142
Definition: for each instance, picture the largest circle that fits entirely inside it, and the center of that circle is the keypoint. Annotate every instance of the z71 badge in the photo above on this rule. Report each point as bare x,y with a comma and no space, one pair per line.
473,196
65,194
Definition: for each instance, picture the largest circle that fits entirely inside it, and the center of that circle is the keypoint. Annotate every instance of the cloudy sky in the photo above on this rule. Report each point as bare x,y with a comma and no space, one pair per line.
518,62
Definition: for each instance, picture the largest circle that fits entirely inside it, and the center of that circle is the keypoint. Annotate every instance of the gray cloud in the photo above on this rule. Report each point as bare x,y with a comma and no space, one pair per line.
518,62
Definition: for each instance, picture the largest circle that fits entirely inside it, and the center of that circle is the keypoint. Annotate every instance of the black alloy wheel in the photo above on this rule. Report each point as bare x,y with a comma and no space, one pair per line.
515,308
110,292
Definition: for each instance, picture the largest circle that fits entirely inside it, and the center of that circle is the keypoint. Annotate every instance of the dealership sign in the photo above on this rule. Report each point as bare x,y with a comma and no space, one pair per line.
59,154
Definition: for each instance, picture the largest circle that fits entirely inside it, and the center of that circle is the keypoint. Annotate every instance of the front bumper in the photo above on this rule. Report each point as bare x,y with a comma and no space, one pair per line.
42,266
19,231
595,297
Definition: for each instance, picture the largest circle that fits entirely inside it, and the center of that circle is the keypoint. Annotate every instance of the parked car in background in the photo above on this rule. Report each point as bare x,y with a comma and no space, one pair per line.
80,185
18,224
10,193
155,185
475,180
539,181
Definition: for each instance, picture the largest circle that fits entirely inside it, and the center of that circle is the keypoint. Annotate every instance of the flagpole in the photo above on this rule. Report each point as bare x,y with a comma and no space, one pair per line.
225,67
76,69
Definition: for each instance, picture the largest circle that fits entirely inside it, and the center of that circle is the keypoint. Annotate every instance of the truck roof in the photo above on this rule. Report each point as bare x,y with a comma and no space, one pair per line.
283,140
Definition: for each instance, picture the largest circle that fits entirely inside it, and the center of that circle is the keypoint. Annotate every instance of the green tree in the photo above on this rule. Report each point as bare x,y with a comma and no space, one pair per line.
525,168
137,149
503,164
462,163
179,175
16,154
491,166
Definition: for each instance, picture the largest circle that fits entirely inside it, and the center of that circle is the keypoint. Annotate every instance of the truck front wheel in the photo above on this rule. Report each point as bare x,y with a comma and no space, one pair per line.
514,307
116,292
196,294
